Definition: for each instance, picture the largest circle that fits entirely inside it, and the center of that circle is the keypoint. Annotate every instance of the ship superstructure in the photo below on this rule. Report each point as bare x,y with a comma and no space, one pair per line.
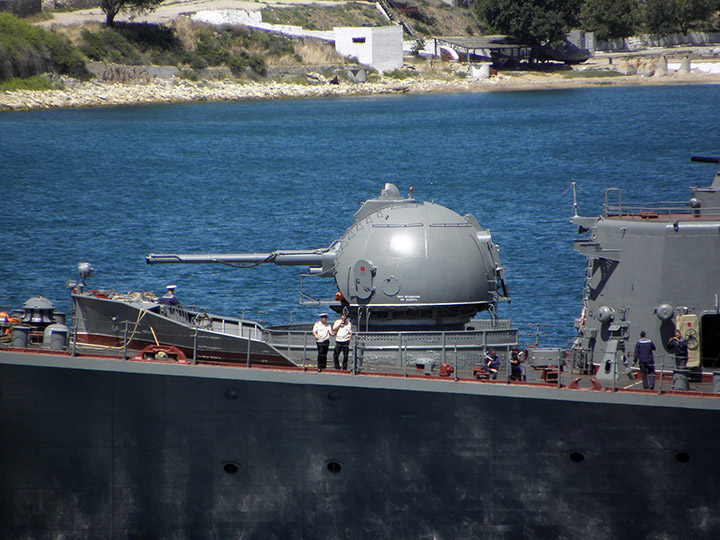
651,268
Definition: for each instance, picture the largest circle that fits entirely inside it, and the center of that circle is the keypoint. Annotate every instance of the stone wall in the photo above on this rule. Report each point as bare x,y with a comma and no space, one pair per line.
77,4
253,19
118,73
640,42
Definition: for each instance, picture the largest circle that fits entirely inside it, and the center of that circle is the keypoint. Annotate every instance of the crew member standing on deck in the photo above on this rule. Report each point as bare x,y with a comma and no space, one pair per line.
515,366
644,356
679,345
343,332
169,297
322,332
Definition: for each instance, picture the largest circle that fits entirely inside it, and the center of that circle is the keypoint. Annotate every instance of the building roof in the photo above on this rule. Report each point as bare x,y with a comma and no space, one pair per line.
482,42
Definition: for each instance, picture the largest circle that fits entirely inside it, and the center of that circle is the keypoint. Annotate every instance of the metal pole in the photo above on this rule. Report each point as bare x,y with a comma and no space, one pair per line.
405,373
559,385
248,352
507,364
124,354
355,352
195,341
456,363
304,368
75,317
662,370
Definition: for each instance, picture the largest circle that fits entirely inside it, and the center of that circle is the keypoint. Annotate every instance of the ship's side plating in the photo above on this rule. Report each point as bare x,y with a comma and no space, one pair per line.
99,448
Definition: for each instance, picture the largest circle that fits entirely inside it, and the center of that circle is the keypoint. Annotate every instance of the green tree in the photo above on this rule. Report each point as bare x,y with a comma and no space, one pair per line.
609,19
664,17
111,8
533,22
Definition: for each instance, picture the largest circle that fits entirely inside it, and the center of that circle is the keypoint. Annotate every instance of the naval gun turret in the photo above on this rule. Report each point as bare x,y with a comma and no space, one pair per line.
401,263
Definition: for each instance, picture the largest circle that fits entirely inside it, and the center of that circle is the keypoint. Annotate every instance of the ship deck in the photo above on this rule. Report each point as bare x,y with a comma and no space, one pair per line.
706,385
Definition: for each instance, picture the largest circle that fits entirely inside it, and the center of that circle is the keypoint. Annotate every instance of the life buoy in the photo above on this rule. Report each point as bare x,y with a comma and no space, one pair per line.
575,384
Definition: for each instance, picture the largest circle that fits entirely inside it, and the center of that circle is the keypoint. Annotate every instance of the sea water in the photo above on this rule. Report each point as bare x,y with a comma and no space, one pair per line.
109,185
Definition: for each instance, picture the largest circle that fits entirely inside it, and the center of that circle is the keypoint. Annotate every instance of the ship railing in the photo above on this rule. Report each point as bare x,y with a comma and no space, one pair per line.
663,210
622,374
380,351
174,313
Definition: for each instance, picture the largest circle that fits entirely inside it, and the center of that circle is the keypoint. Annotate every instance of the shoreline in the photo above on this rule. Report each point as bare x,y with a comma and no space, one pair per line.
100,94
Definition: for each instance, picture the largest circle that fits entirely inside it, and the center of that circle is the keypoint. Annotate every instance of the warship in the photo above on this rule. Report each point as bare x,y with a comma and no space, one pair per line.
141,419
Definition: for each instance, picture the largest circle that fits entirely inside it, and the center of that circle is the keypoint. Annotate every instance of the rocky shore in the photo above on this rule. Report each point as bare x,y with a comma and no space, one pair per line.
175,90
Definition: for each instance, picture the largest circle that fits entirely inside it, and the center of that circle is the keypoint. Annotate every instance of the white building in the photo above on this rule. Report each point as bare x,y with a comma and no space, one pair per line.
378,47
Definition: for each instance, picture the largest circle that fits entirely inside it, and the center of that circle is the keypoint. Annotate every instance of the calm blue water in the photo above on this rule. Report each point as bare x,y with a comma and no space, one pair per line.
110,185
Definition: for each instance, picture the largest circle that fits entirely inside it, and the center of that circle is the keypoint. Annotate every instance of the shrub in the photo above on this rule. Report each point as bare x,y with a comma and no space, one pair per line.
109,45
26,51
31,83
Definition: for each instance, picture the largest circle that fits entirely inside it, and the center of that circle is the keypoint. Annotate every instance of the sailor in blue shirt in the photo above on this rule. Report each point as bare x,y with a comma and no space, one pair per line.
491,364
644,356
169,297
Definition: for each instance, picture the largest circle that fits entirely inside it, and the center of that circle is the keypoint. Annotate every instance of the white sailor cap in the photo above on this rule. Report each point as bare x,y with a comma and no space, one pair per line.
172,287
323,315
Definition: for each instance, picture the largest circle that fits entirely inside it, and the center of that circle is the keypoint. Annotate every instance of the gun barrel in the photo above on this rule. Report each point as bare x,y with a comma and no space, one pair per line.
282,258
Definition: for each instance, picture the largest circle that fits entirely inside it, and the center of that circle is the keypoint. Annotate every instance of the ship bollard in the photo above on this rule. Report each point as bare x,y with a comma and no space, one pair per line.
716,383
680,380
20,337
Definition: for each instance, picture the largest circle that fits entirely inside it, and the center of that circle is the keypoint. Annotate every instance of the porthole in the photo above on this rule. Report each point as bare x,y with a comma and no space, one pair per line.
682,457
334,467
576,457
231,394
230,467
334,396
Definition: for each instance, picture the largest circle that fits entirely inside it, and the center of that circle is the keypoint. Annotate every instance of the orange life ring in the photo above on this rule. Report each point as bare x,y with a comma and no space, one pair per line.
575,384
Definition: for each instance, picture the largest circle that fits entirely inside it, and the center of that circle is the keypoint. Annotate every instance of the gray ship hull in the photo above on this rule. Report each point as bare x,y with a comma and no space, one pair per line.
103,448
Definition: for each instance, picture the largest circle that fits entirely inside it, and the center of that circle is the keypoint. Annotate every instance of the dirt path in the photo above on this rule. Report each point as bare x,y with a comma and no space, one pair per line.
169,11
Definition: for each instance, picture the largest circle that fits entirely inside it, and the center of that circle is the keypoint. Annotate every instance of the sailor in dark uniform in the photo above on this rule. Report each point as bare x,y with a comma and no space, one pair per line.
644,356
491,364
169,297
516,373
679,346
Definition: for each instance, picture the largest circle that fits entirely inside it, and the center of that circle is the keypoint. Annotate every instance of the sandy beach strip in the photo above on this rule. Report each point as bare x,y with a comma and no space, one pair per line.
95,93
